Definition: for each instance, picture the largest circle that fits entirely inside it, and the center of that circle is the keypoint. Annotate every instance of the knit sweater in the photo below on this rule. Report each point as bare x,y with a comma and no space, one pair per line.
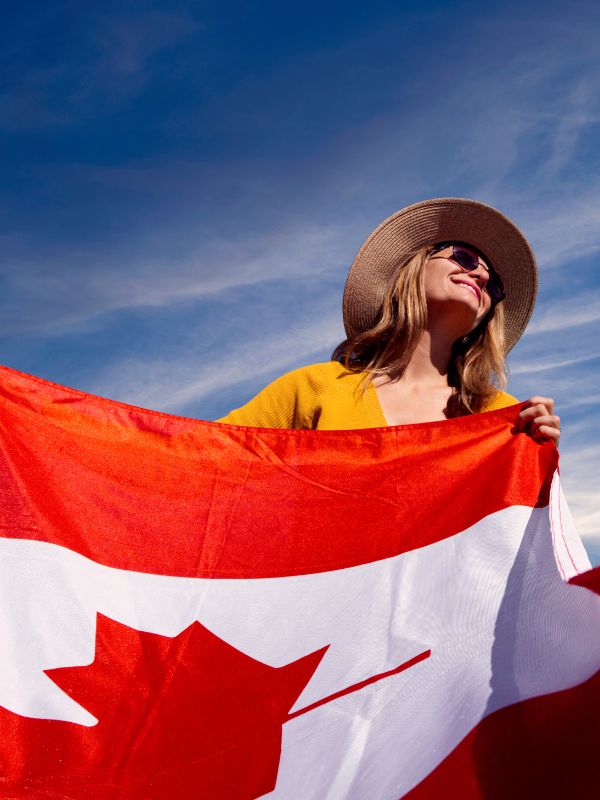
321,396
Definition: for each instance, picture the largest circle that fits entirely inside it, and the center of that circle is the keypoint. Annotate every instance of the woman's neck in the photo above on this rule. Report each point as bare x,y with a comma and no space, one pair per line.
430,361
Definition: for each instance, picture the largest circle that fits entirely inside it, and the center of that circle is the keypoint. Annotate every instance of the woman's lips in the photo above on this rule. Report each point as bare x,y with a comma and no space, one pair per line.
472,286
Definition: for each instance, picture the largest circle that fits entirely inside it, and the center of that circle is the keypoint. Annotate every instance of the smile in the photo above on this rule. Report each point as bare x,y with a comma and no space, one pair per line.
471,286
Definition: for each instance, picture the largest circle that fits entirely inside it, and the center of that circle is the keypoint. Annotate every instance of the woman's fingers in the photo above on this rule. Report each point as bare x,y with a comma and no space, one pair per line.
548,421
530,413
547,402
538,418
548,432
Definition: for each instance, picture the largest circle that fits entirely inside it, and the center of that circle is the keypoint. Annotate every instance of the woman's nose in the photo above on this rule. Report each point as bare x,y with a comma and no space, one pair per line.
480,275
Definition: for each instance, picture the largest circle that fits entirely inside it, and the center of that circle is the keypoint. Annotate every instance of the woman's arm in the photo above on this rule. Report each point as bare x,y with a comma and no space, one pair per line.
284,403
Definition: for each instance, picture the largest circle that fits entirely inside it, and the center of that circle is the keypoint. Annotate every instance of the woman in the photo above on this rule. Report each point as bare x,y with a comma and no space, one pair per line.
435,298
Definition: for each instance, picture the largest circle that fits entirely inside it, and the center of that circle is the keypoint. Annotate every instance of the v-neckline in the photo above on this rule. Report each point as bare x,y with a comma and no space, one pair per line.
379,408
377,405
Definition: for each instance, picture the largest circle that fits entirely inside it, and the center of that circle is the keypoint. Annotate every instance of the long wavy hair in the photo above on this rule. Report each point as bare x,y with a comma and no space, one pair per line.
477,365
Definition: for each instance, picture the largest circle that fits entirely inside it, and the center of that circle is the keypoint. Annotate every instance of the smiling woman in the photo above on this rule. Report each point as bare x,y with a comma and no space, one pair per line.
435,298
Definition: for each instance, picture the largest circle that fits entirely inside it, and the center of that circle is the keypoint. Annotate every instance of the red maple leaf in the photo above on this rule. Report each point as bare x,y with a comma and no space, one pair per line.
183,717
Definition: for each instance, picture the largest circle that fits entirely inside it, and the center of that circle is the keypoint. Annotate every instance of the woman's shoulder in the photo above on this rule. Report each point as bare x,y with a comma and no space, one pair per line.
317,377
322,372
313,384
292,399
500,400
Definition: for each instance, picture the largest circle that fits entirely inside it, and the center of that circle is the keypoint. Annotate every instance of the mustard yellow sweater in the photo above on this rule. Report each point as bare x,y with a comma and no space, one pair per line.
323,396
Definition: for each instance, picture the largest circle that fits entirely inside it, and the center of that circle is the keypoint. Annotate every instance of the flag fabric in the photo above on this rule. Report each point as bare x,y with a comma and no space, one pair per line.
196,610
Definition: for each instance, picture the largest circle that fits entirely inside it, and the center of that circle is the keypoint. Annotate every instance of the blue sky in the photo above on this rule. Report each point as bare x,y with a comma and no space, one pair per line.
185,185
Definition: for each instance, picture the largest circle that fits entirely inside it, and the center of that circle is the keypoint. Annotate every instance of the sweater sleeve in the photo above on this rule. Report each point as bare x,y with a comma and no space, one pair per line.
287,402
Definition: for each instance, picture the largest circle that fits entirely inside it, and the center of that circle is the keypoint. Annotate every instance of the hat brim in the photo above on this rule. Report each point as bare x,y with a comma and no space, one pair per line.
438,220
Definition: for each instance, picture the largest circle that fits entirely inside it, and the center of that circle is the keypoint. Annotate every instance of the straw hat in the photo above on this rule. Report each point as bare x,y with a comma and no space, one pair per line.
440,220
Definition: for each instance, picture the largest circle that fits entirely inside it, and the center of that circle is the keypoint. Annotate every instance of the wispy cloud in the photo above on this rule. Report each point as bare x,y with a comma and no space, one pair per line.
580,474
99,283
559,347
566,228
179,380
573,388
579,110
359,174
566,312
541,365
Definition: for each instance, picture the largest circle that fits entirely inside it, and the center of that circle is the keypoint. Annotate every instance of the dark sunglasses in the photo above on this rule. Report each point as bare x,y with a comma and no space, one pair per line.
469,261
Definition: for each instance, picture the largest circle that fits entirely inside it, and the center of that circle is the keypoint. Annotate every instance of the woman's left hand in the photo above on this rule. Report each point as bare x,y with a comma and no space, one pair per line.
538,419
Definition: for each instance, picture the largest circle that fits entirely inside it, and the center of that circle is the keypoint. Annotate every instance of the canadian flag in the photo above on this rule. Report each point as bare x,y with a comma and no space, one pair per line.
195,610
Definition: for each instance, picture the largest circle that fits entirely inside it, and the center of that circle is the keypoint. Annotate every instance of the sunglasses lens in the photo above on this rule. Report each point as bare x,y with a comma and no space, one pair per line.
466,260
495,288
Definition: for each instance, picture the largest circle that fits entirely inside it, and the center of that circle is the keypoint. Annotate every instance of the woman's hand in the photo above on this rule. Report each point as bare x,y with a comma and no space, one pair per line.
538,419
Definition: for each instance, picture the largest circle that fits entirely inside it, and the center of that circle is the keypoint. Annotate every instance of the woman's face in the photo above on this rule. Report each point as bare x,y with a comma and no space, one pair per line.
452,290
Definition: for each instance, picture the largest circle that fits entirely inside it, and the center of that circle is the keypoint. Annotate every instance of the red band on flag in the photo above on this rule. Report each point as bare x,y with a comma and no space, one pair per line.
115,483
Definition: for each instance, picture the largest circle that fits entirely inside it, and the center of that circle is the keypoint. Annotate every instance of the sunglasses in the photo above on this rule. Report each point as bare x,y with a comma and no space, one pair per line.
469,261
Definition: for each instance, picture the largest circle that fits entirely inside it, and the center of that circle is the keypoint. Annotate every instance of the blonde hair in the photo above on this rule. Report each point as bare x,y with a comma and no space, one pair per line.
477,366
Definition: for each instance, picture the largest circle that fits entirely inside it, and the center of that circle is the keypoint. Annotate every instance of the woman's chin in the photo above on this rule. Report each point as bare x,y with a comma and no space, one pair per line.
466,317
